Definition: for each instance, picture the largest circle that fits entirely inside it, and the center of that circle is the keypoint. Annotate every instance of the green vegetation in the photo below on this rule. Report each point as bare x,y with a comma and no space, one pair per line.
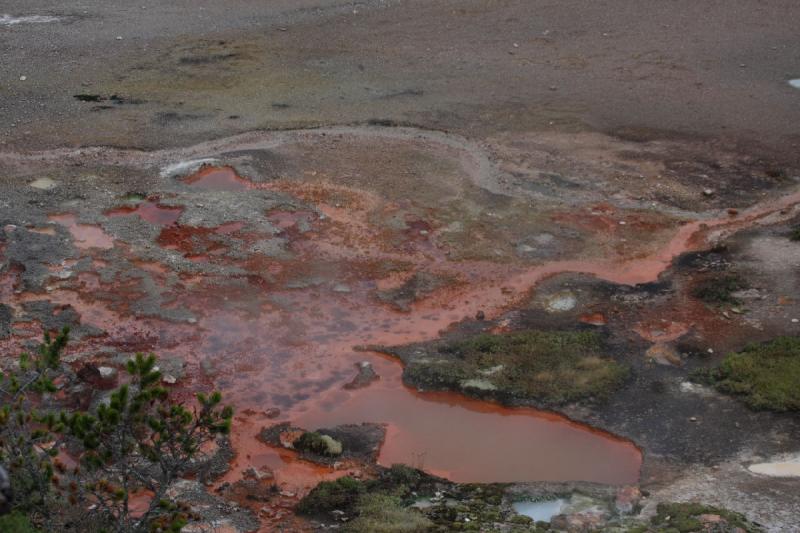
313,442
136,441
719,290
381,513
17,523
689,518
553,367
765,376
794,235
385,505
341,494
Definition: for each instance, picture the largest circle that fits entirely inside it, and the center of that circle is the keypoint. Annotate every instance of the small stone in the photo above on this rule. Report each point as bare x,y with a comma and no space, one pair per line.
480,315
710,518
107,372
103,377
708,192
733,212
169,379
692,419
119,37
23,78
795,321
257,473
44,184
366,375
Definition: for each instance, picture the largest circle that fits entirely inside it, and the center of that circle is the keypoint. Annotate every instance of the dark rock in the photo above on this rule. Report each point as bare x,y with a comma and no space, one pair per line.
366,375
5,492
359,441
6,314
100,377
210,512
416,287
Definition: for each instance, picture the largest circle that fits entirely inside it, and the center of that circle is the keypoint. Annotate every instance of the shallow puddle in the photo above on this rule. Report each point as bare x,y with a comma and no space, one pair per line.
217,179
85,235
471,441
151,212
543,511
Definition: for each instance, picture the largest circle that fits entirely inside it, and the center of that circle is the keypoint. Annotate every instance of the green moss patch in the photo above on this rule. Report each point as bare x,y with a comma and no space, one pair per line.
764,376
16,523
381,513
552,367
328,496
695,517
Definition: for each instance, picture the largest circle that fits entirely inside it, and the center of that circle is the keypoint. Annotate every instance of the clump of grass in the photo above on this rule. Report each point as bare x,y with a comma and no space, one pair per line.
794,235
341,494
685,518
764,376
553,367
719,290
381,513
313,442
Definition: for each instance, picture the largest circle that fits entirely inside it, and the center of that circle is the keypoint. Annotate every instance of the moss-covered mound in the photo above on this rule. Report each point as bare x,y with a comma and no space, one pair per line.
405,500
382,513
313,442
550,367
765,376
696,517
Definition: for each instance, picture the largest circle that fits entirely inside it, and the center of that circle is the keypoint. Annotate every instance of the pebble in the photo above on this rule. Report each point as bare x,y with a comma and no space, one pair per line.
708,192
795,321
23,78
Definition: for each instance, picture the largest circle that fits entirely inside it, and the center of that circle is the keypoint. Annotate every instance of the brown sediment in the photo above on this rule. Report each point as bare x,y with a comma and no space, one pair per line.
151,212
217,179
